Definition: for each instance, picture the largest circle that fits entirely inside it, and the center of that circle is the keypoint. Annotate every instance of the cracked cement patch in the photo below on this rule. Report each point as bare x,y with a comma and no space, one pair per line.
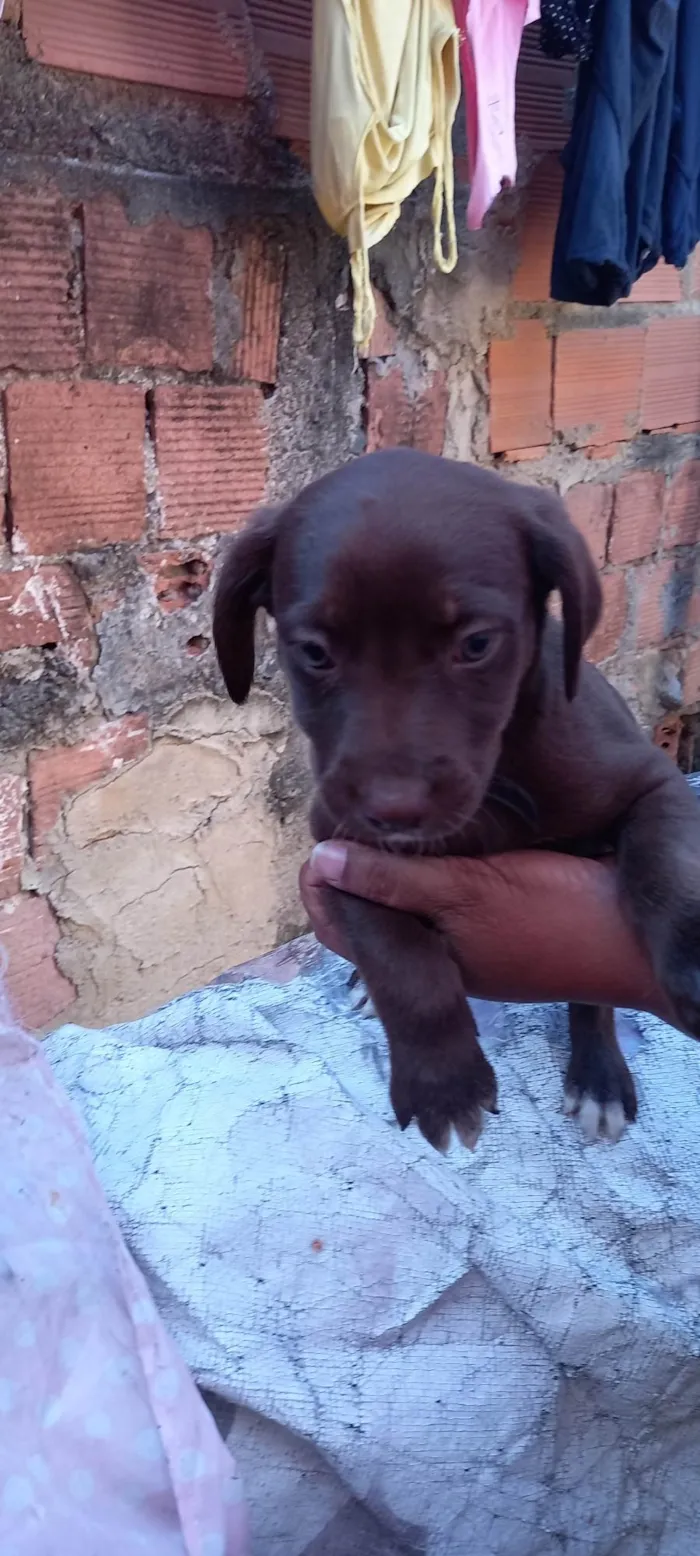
167,872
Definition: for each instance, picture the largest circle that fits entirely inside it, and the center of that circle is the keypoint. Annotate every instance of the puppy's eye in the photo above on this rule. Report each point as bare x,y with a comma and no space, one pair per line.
314,656
472,647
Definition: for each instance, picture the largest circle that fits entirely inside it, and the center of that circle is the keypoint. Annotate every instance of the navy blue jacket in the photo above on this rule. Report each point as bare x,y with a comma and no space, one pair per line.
632,165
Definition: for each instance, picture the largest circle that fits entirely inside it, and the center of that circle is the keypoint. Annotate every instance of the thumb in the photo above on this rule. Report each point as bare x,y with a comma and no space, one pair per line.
413,885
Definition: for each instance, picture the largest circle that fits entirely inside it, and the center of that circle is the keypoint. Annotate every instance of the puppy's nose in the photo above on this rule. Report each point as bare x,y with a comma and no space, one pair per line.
396,803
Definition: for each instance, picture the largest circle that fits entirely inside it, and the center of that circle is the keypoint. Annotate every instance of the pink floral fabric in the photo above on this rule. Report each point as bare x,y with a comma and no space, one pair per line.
106,1448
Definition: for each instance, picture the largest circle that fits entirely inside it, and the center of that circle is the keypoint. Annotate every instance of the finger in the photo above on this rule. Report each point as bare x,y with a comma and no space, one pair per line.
315,900
414,885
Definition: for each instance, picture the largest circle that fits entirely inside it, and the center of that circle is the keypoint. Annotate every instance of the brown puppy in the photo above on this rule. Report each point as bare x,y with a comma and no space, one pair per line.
449,713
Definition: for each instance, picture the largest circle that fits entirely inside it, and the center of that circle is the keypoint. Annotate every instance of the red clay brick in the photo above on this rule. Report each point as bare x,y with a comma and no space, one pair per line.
39,322
197,47
531,282
12,792
147,291
46,605
76,465
211,447
691,676
590,507
637,516
38,992
606,638
671,387
178,577
597,384
542,89
283,33
383,341
62,771
653,612
667,735
260,289
683,506
521,389
520,456
663,284
601,451
397,418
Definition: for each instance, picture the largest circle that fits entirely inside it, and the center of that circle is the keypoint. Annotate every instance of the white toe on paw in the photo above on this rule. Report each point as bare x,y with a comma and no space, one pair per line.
614,1121
589,1115
598,1120
361,1004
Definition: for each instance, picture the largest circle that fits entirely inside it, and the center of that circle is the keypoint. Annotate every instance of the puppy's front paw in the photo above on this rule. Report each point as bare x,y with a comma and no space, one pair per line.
446,1086
679,973
599,1091
361,997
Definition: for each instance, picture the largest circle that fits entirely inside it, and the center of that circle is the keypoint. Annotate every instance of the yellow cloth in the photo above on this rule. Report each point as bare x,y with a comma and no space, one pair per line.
385,89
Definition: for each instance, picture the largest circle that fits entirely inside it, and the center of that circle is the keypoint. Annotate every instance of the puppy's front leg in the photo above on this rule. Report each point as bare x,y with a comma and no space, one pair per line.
598,1088
439,1074
659,872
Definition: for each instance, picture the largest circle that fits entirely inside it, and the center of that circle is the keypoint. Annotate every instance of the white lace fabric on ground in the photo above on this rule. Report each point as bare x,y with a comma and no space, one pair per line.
497,1352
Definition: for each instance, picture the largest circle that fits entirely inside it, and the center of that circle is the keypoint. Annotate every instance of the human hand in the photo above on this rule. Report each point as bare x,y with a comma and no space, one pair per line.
531,927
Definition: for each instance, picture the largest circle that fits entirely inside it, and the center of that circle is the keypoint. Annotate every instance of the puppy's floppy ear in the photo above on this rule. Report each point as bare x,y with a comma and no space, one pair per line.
561,560
243,587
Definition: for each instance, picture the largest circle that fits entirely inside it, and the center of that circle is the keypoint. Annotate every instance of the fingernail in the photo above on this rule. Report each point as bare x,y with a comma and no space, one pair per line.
328,861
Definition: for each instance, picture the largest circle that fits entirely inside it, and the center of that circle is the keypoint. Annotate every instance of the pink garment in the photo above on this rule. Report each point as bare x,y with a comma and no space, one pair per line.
490,37
106,1448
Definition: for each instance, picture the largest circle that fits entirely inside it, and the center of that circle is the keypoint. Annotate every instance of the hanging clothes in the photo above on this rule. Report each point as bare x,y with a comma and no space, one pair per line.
632,164
490,36
384,94
681,202
566,30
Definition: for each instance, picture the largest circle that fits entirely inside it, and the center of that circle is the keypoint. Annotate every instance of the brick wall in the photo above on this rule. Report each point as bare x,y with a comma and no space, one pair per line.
175,346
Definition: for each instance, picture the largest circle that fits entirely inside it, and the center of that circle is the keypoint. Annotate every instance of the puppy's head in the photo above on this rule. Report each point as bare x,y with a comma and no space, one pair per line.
409,594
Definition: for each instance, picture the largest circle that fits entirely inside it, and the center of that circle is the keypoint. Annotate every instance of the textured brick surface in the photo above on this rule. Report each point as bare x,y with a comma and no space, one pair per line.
683,506
76,464
46,606
542,91
260,292
655,612
637,516
384,336
542,200
671,386
399,416
283,33
597,384
197,47
147,291
667,735
178,578
590,507
57,773
520,372
39,322
606,638
212,457
663,284
691,676
12,795
38,992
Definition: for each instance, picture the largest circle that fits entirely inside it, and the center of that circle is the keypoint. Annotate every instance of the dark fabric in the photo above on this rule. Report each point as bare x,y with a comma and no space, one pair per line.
566,28
632,165
681,201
